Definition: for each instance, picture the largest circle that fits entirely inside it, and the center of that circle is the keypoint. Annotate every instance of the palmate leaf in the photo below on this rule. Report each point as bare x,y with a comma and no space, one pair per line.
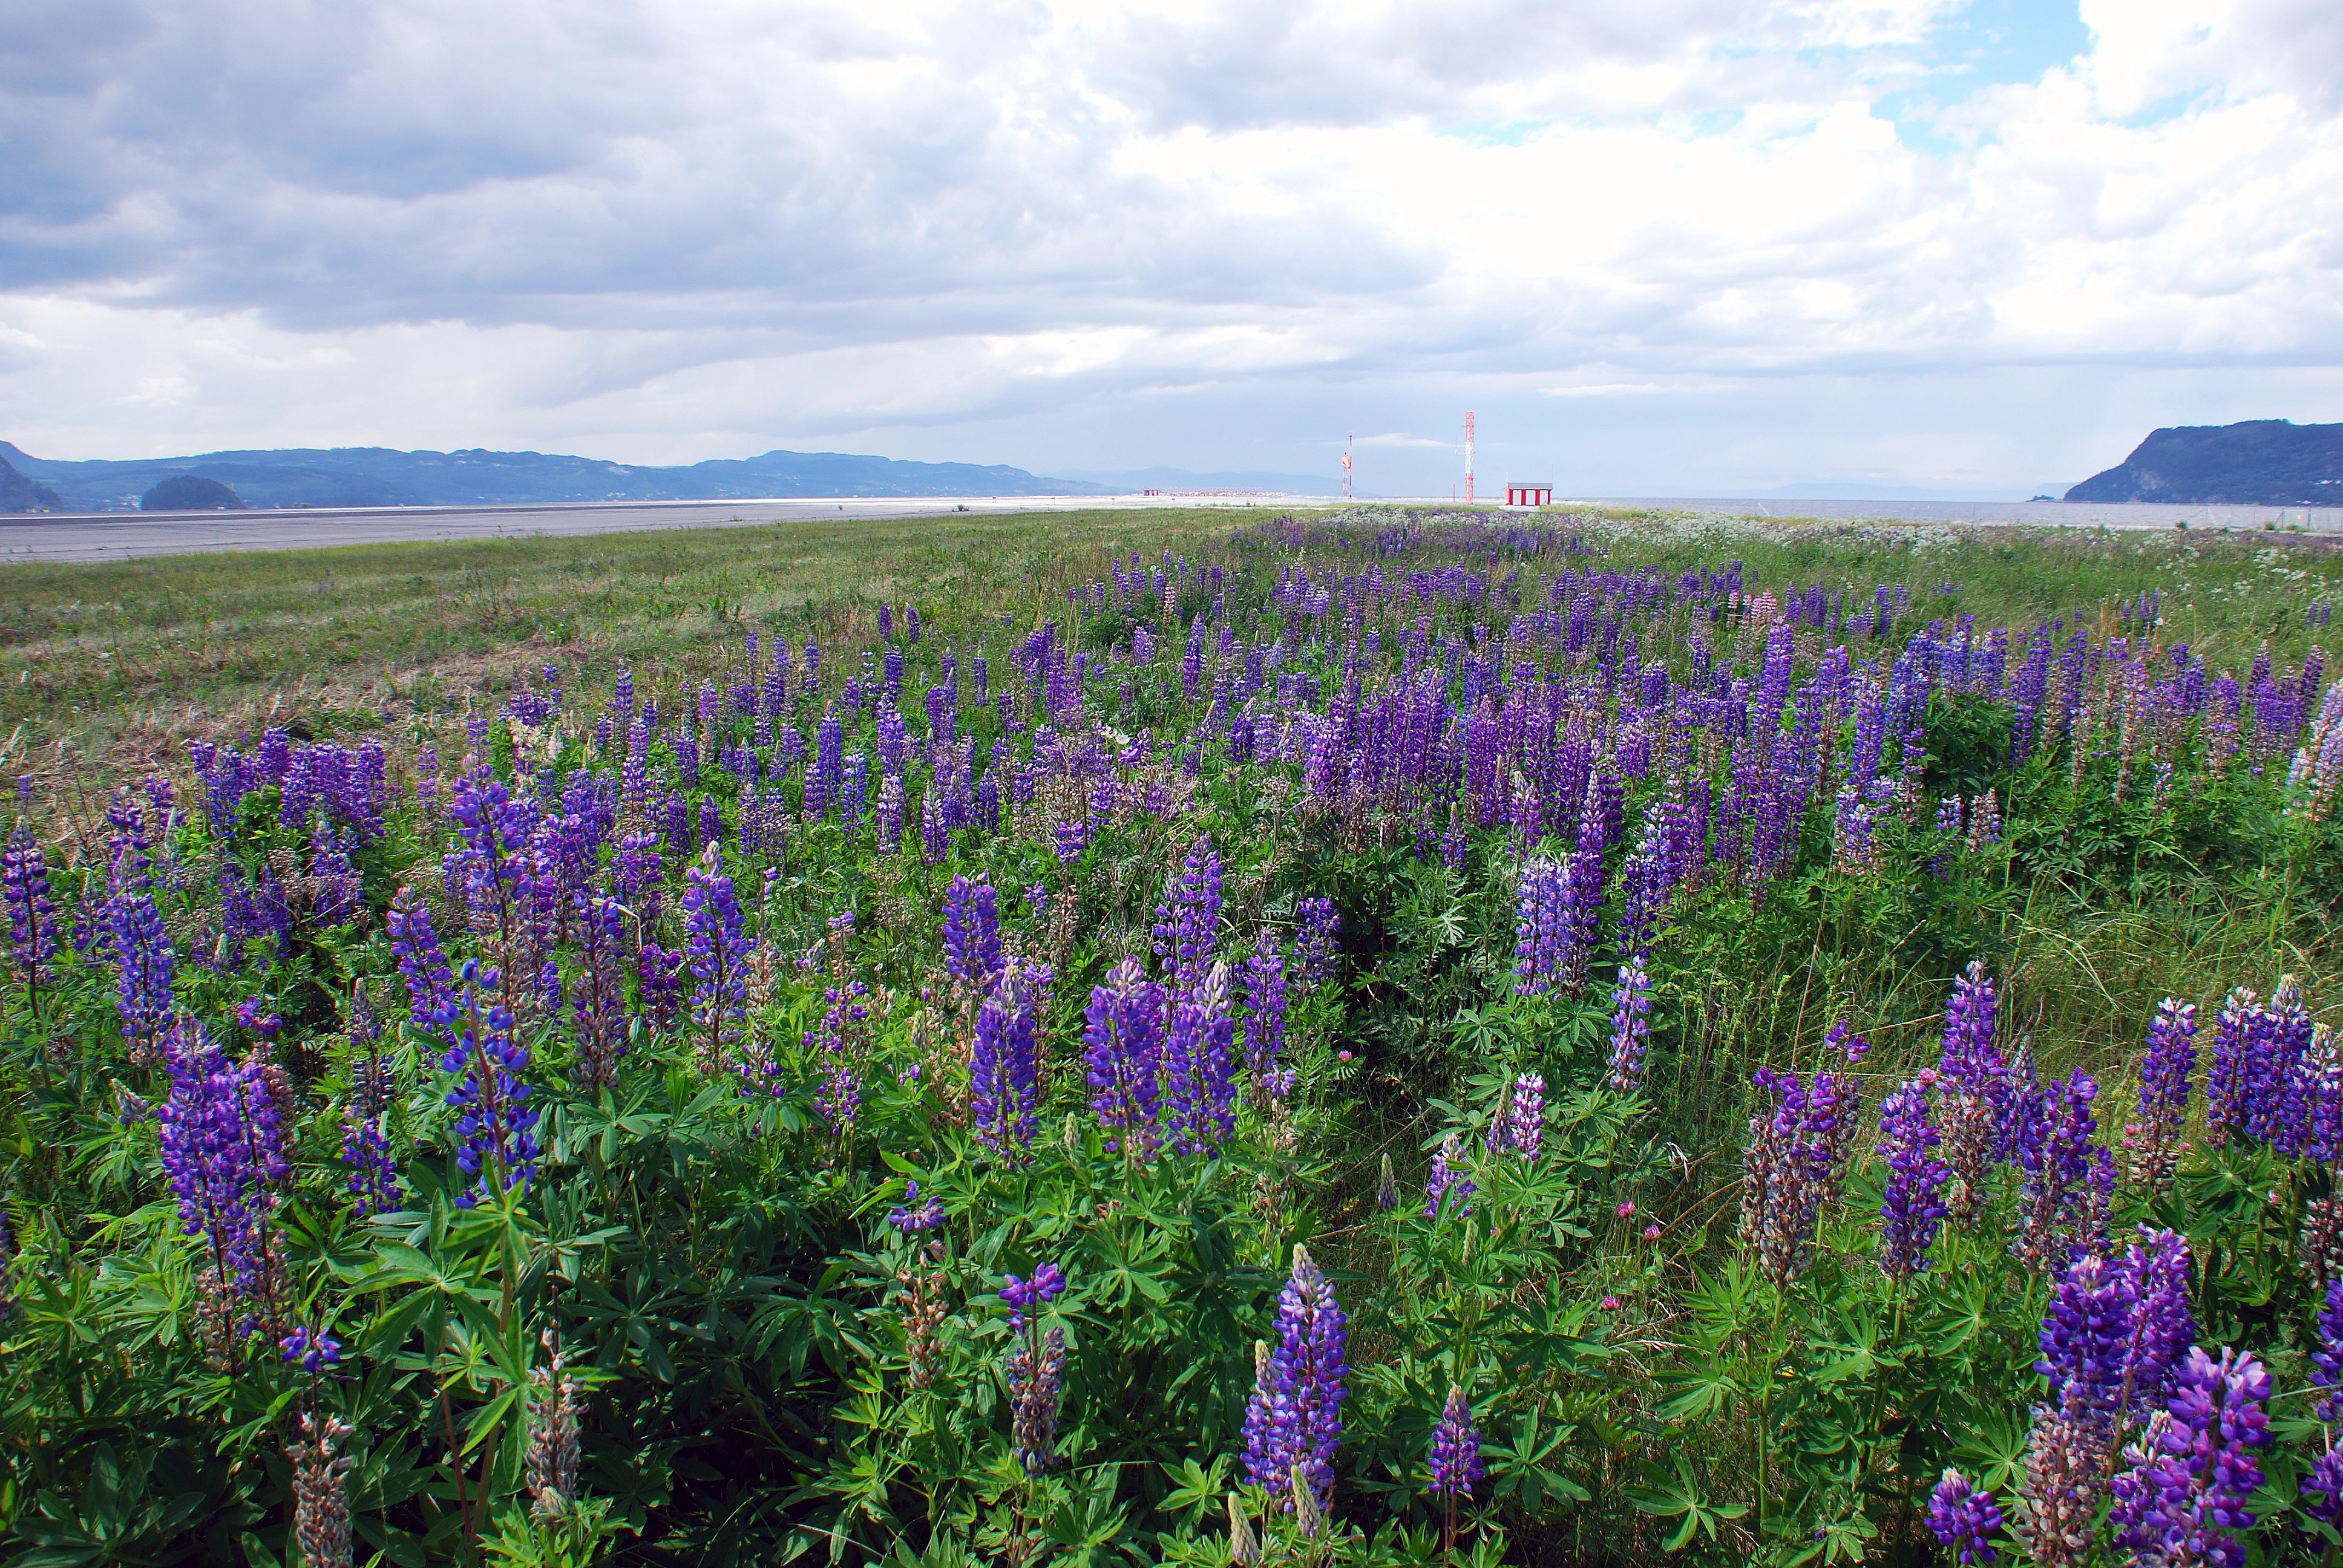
1086,1525
1196,1490
1525,1465
1680,1497
1993,1449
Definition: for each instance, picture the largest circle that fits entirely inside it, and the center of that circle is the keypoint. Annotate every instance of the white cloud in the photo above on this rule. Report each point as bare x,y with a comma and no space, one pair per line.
1092,234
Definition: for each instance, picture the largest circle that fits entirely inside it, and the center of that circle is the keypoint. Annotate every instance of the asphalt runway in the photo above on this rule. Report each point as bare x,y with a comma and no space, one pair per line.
122,536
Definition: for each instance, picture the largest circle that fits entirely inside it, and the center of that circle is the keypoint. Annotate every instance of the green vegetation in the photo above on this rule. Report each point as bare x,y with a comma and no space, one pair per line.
655,1052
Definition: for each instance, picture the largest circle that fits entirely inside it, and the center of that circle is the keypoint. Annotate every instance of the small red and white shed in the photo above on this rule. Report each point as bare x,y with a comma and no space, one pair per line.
1528,493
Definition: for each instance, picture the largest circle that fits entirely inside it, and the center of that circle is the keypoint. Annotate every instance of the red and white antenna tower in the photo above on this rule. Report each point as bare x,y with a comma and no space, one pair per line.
1347,440
1468,456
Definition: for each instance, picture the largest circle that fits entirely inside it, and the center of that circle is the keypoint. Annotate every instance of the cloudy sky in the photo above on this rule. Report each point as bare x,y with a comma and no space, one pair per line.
1661,246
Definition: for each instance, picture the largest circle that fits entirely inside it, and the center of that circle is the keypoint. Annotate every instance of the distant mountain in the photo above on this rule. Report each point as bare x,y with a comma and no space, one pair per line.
1130,481
19,494
378,477
1866,490
2258,462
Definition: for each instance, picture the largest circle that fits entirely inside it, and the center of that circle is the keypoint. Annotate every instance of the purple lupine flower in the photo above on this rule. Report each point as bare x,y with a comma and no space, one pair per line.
1647,881
2322,1489
1448,1180
496,1130
1316,925
2084,1338
972,935
1977,1090
717,950
1854,837
1004,1069
2326,1355
1794,1163
1963,1518
143,992
311,1349
2164,1079
1541,929
1294,1419
1037,1367
840,1041
1631,1025
496,867
365,1145
339,894
2240,1049
635,774
1456,1466
660,971
891,814
599,1020
374,1176
1187,923
911,1216
2183,1499
1521,1130
1198,1065
1026,1297
2069,1178
1582,880
2114,1336
1912,1208
223,1150
1264,982
2307,1116
32,912
1122,1044
2164,1323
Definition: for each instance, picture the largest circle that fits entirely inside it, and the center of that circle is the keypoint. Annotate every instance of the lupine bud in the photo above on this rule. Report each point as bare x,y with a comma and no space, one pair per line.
1307,1514
553,1448
321,1493
2063,1487
1245,1550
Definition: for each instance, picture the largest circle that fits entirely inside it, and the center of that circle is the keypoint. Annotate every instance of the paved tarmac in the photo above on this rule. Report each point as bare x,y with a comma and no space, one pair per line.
121,536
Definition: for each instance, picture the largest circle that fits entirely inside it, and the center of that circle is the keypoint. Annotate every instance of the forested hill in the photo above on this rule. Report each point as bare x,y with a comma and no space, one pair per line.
379,476
2261,462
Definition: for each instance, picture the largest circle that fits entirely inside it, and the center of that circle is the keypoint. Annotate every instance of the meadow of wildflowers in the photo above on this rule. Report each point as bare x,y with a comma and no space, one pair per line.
1378,1039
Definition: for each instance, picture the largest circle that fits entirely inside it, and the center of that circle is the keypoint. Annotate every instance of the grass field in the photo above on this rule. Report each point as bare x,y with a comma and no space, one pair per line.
115,665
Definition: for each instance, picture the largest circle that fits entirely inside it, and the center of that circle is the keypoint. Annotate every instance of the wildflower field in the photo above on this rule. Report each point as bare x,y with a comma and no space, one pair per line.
1353,1038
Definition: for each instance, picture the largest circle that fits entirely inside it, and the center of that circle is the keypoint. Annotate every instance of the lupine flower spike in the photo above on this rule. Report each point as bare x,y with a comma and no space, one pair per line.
1964,1519
1294,1421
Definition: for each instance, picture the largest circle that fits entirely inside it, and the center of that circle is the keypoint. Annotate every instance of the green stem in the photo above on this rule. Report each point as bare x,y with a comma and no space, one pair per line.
1765,1417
